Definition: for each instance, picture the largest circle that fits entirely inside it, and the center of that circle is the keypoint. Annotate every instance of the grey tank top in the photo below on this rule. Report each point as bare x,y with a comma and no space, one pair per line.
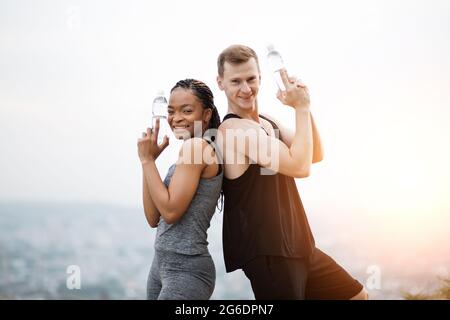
189,234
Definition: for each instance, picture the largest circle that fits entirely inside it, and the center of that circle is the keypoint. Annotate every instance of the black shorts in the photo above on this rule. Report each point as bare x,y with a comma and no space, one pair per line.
317,277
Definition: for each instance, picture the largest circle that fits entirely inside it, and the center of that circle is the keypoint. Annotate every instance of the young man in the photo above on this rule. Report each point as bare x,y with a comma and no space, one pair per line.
265,229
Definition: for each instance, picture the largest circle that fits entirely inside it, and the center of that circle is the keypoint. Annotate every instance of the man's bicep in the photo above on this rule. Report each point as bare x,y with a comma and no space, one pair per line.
246,143
287,134
273,154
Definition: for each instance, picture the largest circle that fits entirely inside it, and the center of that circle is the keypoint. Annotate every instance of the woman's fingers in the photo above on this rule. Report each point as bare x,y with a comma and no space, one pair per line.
165,142
156,131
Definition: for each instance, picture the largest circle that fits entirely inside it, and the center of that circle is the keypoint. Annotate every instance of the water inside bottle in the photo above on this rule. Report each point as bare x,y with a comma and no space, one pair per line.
276,64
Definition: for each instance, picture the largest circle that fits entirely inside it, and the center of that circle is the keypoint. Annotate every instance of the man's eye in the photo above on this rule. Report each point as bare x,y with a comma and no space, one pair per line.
170,112
187,111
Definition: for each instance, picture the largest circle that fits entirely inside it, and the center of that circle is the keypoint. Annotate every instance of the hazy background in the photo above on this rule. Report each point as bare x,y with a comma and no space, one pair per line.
76,83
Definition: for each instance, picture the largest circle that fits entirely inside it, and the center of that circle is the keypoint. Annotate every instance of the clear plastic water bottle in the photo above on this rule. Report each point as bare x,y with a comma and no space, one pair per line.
159,110
276,64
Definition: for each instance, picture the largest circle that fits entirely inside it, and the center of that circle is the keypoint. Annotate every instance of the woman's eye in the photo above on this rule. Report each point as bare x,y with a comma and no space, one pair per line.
170,112
187,111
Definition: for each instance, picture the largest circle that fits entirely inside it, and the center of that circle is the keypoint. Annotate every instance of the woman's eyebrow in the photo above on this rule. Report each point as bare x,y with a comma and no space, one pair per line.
182,106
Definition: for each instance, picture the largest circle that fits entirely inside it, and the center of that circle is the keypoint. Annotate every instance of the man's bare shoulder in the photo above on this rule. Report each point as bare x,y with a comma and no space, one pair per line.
236,123
268,116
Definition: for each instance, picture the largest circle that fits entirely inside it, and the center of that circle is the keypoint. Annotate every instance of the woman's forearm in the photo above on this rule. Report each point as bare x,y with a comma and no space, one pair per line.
151,212
157,190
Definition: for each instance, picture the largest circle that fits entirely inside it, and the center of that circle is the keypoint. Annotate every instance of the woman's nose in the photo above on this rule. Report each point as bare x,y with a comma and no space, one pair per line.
177,117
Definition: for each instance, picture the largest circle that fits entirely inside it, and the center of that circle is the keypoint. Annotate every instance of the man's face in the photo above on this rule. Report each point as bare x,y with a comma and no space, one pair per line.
241,84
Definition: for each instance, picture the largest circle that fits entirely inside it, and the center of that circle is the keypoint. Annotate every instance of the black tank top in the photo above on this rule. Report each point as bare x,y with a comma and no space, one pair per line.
263,215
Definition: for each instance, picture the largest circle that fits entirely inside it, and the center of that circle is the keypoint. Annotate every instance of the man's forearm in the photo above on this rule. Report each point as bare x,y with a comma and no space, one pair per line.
302,144
317,143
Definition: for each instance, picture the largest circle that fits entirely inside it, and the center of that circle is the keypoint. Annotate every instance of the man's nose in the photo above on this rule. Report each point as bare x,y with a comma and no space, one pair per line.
245,87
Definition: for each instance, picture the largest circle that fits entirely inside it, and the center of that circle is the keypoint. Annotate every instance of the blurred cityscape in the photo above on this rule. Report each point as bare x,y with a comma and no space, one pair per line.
113,247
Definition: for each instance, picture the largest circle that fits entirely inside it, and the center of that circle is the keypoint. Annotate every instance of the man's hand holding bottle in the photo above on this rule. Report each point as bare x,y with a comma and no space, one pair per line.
296,94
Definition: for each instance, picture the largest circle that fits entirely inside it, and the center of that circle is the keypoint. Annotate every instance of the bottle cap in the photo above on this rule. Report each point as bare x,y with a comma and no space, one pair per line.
160,93
270,47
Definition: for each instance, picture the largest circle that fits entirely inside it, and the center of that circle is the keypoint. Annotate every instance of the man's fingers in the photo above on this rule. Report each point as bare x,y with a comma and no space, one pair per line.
281,95
285,78
292,79
300,83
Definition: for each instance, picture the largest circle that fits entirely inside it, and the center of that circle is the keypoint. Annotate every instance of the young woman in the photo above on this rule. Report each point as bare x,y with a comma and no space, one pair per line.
182,206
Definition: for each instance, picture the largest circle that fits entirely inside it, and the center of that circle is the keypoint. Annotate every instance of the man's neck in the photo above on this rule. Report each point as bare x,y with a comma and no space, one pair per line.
245,114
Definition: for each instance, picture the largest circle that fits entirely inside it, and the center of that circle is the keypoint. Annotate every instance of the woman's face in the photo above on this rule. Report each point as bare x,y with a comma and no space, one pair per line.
185,111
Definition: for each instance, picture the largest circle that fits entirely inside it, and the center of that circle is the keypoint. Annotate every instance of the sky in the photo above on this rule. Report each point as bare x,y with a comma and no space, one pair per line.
77,79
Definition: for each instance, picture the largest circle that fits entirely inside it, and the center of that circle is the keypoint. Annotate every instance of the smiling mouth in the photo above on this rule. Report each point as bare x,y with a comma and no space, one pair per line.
180,127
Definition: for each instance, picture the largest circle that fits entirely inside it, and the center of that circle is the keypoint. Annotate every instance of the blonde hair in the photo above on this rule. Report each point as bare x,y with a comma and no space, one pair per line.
235,54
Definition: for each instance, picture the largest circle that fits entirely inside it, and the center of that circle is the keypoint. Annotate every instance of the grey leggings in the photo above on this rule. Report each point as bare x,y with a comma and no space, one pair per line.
175,276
